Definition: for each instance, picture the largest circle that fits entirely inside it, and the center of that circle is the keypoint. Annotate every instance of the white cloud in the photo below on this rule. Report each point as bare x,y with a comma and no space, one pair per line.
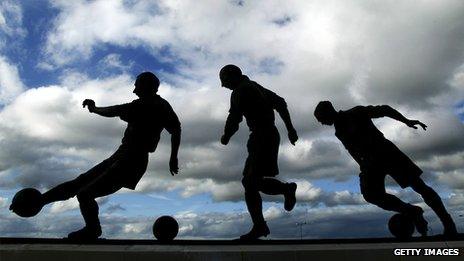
331,222
62,206
456,199
113,61
332,47
454,179
71,204
404,54
136,228
55,112
334,42
10,81
306,192
3,202
272,213
186,215
2,20
230,191
11,16
183,230
447,162
317,159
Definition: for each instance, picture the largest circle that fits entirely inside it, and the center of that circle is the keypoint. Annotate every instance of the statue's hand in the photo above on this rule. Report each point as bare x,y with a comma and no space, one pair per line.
173,166
292,136
90,104
413,123
224,140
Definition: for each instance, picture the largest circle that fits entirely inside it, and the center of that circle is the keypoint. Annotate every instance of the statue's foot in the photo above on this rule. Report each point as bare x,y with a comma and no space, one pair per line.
256,232
450,228
290,197
85,233
417,215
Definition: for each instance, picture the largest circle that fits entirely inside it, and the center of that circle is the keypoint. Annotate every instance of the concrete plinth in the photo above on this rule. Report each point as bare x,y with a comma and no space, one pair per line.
286,250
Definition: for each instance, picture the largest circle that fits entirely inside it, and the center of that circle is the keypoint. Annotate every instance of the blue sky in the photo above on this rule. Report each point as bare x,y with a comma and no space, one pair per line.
54,54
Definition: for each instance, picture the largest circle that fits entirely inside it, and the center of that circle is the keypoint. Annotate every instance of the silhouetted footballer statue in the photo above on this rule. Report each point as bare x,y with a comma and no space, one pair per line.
146,117
257,104
378,157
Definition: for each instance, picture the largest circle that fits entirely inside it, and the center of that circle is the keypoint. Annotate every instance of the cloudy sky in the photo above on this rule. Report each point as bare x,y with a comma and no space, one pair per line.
54,54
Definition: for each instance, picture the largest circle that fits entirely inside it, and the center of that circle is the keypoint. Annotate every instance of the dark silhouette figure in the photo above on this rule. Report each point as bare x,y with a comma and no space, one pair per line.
146,117
378,157
257,105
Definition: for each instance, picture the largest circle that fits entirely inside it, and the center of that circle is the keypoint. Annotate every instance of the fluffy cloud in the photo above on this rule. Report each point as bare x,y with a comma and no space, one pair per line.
73,204
113,61
348,52
10,82
43,118
317,159
62,206
335,222
3,202
46,135
333,46
407,54
11,17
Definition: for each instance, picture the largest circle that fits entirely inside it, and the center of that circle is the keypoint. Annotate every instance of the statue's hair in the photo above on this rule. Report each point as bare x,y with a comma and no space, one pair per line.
149,79
322,109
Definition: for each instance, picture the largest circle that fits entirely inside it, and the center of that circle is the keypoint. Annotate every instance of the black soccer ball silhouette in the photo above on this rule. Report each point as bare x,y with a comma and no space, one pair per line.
165,228
401,226
27,202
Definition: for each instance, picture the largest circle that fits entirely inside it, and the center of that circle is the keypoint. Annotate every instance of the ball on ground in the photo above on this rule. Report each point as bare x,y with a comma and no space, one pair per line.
165,228
401,226
27,202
